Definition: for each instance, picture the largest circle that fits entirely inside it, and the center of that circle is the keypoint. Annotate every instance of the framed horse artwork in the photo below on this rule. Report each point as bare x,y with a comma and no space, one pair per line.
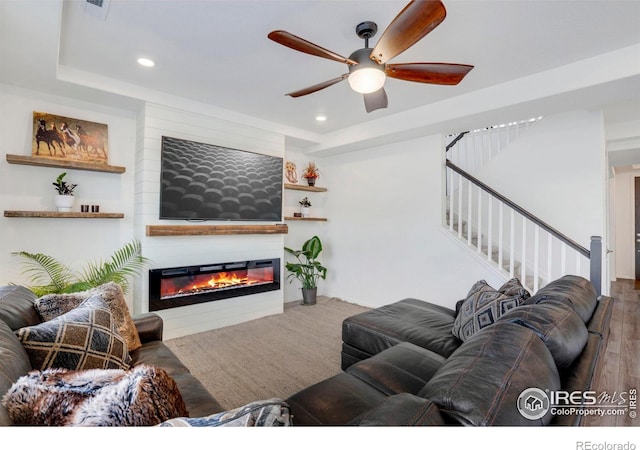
60,137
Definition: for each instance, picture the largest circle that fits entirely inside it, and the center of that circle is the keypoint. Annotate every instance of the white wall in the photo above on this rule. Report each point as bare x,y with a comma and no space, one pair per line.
72,241
384,238
557,172
154,122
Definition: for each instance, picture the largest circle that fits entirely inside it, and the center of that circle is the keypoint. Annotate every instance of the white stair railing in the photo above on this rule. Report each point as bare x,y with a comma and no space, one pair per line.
510,238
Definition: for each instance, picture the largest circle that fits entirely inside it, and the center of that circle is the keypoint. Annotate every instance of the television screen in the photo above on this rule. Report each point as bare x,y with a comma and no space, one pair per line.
208,182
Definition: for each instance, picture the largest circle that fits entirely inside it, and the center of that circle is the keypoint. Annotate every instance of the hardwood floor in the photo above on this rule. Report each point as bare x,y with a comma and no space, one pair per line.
621,369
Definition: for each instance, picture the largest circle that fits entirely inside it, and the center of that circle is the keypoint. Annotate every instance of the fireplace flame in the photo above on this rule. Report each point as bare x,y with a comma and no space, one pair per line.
215,281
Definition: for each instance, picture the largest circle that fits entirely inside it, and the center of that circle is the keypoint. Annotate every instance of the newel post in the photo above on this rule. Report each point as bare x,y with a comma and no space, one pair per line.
595,258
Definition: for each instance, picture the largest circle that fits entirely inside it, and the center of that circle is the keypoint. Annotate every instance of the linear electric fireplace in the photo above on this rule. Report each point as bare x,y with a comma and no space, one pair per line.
180,286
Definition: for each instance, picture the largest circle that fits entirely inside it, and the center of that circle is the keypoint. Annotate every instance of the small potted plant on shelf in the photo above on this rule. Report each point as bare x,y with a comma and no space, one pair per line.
64,199
305,204
311,173
308,270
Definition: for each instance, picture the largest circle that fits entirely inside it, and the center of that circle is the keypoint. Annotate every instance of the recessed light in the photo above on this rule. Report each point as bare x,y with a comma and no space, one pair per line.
146,62
321,118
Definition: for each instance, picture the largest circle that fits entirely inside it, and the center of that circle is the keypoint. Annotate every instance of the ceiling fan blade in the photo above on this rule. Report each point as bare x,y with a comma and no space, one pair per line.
414,22
319,86
297,43
433,73
375,100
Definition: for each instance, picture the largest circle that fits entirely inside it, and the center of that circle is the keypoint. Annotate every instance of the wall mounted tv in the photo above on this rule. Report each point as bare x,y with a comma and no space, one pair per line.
208,182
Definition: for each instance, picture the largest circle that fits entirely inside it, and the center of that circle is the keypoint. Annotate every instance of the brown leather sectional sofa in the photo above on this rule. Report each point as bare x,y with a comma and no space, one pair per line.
17,311
403,366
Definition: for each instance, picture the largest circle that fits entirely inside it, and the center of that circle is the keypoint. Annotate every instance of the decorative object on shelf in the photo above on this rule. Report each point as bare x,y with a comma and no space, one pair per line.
84,208
308,270
64,199
290,172
69,139
311,173
50,276
305,206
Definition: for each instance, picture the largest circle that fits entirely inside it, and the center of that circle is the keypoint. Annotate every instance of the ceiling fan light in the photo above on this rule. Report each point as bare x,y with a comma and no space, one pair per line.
366,79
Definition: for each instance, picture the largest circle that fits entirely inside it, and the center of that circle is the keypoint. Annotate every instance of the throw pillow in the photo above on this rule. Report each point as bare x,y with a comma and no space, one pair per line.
84,338
144,395
263,413
53,305
484,305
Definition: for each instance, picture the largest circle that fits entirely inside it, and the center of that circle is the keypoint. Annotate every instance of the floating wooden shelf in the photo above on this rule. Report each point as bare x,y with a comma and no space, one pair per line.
300,187
48,162
204,230
311,219
63,215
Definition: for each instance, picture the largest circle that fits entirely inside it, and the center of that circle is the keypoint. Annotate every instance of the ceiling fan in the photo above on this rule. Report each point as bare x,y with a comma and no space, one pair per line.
368,68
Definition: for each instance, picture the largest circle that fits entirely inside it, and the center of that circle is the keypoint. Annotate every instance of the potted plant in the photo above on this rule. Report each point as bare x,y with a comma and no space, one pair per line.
64,199
50,276
311,173
305,204
308,270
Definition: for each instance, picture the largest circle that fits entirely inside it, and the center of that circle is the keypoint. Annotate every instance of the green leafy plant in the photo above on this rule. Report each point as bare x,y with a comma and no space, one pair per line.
50,276
62,186
308,270
305,202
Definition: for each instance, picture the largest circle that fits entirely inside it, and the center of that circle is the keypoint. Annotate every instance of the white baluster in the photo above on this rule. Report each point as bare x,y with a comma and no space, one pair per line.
523,257
536,257
500,234
512,245
451,198
489,228
479,226
459,206
469,209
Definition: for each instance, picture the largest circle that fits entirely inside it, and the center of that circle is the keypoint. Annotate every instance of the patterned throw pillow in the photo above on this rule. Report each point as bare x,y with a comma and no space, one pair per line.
484,305
84,338
53,305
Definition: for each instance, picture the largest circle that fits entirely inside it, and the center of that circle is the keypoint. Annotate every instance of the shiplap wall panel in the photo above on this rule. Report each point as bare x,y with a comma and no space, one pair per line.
157,121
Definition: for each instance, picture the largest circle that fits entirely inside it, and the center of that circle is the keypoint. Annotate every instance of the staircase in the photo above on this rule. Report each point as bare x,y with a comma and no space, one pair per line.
503,234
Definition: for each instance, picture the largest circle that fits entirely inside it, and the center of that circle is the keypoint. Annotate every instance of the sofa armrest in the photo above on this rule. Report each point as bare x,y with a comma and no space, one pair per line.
402,410
149,326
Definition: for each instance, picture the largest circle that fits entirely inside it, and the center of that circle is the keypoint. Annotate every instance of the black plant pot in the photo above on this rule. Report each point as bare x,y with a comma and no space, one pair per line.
311,181
309,296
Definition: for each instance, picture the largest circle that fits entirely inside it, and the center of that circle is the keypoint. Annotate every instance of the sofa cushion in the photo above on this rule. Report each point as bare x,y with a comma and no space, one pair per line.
480,384
53,305
335,401
145,395
572,290
262,413
410,320
84,338
559,327
14,363
484,305
403,368
16,307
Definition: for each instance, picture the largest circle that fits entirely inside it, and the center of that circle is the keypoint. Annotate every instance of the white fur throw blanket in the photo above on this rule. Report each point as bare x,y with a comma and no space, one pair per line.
144,395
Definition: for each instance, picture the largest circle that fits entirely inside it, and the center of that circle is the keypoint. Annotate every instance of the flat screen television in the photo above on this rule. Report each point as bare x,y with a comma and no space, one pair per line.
201,181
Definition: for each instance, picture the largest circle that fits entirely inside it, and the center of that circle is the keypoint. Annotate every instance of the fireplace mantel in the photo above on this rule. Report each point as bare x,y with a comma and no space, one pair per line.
205,230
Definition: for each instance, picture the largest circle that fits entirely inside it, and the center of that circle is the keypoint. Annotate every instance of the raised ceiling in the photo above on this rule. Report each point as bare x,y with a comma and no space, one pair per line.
217,52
